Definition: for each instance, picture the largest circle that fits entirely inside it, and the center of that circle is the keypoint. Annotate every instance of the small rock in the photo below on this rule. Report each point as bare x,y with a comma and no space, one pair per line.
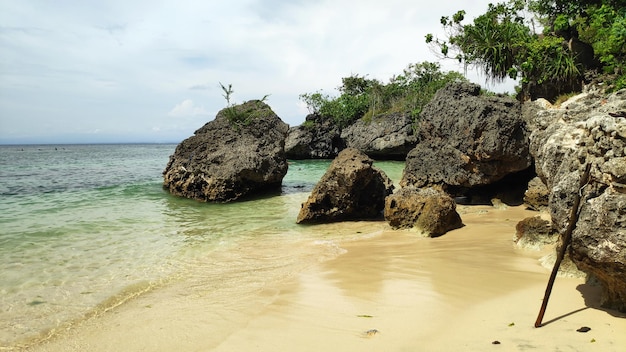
371,332
429,210
584,329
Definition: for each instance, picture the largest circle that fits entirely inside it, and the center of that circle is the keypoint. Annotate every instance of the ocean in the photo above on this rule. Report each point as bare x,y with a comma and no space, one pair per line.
84,228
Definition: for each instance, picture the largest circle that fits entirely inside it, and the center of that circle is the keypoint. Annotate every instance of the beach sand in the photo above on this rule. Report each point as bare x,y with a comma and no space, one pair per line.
393,291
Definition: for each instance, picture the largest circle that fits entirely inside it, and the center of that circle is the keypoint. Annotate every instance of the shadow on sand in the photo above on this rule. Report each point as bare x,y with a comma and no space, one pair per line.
592,293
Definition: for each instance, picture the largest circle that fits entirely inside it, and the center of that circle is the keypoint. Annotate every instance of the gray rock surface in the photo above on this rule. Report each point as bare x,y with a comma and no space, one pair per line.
588,128
537,195
389,136
431,211
240,152
317,138
351,189
467,140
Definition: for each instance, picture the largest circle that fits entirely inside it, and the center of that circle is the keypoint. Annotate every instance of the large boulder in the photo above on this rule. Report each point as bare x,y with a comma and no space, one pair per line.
317,138
467,140
351,189
587,129
431,211
389,136
239,153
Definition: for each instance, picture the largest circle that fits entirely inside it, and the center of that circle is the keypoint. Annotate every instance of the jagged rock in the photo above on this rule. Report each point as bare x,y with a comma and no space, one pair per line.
431,211
383,137
317,138
537,195
467,140
239,153
534,232
351,189
587,129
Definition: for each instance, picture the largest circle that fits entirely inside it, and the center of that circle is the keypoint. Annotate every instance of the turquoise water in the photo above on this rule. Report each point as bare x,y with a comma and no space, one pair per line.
85,227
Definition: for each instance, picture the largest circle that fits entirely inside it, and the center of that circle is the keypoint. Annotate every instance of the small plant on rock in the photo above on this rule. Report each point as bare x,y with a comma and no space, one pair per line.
235,114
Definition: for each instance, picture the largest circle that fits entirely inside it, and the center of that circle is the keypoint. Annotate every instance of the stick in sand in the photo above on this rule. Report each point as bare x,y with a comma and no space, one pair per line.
567,237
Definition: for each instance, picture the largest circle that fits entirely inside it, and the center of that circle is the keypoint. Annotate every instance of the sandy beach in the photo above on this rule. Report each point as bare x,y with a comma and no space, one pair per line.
469,290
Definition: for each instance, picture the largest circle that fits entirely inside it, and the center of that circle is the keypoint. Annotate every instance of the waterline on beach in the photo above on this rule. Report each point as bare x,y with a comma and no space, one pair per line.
85,228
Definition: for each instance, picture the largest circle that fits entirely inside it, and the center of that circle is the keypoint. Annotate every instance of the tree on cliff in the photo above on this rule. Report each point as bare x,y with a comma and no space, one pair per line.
575,36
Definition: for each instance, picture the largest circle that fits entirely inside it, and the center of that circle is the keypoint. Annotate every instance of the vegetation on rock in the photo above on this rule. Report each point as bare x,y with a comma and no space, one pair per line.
361,97
243,114
576,36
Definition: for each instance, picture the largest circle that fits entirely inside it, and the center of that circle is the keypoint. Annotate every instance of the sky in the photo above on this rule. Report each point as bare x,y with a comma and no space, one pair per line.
119,71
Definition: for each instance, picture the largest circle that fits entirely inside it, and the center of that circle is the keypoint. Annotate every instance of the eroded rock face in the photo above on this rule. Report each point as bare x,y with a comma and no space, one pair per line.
239,153
587,129
534,232
431,211
537,195
467,140
317,138
383,137
351,189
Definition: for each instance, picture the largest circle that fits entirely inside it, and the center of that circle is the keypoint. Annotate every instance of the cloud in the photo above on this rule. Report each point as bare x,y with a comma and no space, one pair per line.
132,59
187,108
199,87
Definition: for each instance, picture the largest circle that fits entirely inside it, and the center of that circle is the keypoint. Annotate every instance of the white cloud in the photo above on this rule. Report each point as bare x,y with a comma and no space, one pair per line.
128,59
187,108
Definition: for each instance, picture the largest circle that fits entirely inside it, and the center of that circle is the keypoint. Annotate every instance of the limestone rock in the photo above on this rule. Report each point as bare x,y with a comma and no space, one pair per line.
537,195
587,129
351,189
240,152
599,244
535,232
467,140
317,138
429,210
389,136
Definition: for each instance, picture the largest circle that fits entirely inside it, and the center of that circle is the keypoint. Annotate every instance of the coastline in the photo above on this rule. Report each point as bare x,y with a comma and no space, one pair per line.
461,291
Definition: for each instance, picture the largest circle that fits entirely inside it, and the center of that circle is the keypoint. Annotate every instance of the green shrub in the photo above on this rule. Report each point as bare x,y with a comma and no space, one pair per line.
240,115
365,98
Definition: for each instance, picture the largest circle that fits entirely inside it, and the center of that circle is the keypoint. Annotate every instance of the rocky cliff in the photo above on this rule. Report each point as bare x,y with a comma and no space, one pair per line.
317,138
383,137
587,129
389,136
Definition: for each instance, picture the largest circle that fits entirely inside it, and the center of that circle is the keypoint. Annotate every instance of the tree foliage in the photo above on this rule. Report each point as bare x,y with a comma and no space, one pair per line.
503,42
362,97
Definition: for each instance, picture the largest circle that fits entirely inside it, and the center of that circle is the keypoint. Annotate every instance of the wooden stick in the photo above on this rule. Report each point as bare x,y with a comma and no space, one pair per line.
567,238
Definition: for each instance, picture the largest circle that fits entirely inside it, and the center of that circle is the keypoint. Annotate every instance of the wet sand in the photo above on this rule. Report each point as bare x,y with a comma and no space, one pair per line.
394,291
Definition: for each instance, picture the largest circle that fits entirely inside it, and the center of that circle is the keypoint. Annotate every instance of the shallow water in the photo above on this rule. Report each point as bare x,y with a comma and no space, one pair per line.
85,227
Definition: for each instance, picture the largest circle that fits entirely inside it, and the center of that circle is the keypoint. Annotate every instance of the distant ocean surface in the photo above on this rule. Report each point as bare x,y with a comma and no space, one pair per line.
83,228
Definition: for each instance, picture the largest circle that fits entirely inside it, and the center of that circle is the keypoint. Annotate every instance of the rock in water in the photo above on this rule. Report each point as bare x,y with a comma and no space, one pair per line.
317,138
582,130
429,210
239,153
388,136
351,189
467,140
